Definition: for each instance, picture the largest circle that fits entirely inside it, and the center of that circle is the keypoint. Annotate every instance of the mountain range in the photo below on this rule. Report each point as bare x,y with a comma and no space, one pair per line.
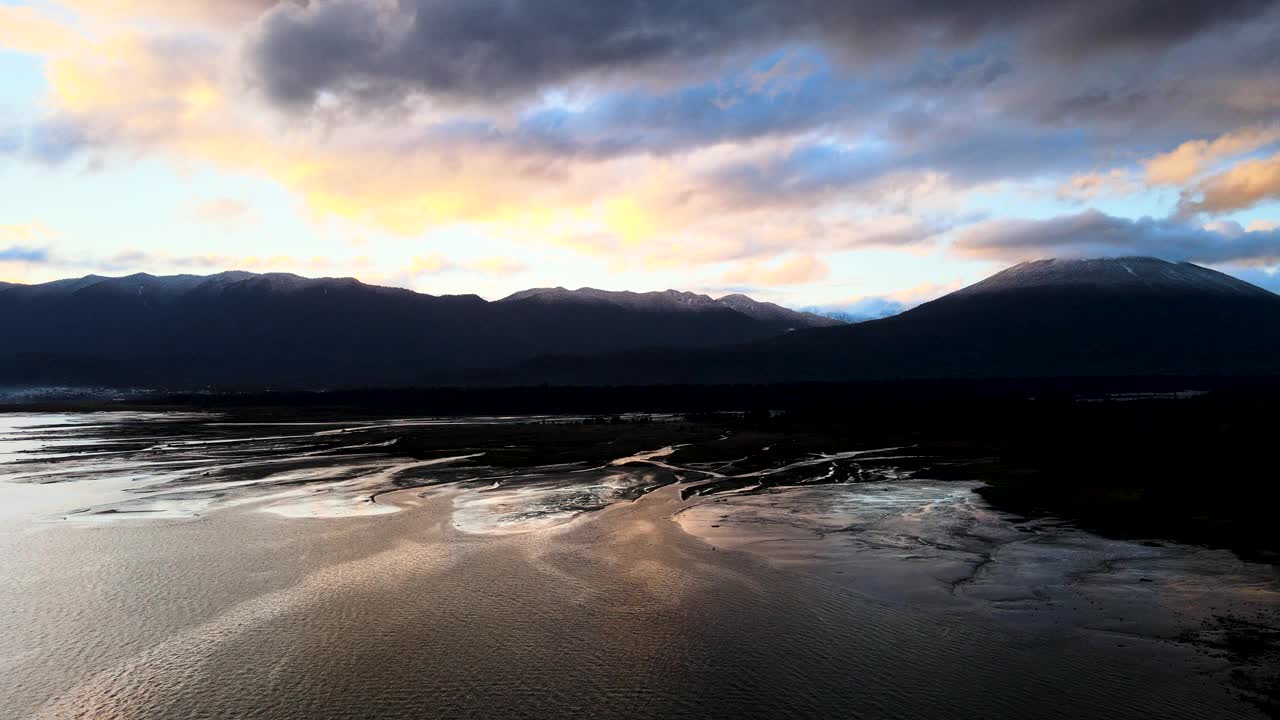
1041,319
1048,318
240,329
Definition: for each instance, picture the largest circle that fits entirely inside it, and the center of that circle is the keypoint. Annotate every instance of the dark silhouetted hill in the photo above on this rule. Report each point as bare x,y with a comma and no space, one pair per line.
243,330
1043,319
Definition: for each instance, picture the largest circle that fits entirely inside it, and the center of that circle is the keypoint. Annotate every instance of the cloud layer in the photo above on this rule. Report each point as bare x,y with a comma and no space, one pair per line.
1095,234
761,142
490,49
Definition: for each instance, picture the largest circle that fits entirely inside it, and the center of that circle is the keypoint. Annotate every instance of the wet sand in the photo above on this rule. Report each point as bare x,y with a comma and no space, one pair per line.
537,608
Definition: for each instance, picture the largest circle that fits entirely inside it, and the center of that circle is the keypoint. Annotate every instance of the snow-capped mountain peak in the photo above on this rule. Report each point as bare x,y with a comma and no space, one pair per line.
1122,274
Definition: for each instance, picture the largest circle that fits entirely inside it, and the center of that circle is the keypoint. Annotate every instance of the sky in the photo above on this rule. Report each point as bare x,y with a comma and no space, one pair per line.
818,153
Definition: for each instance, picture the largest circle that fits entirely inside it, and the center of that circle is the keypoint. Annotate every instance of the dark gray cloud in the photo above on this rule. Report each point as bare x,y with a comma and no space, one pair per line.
488,49
1117,24
1096,234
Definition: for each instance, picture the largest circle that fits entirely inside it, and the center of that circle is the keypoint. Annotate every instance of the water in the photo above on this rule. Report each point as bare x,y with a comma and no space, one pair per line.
166,566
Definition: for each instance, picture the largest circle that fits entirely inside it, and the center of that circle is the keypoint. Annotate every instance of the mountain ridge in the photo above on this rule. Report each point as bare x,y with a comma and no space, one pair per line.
1026,323
250,330
661,299
1124,317
783,317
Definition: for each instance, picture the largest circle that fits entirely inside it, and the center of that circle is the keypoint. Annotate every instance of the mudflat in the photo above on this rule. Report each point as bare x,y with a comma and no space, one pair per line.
203,565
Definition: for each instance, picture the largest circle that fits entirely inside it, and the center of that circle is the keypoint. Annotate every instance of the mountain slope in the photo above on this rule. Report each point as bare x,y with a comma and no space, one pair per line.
1125,275
1088,318
1119,316
774,316
240,329
1075,318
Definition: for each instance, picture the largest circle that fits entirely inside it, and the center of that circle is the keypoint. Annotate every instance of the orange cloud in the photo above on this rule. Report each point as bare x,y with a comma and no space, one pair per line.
1088,186
26,29
25,233
1242,186
226,11
794,270
1189,159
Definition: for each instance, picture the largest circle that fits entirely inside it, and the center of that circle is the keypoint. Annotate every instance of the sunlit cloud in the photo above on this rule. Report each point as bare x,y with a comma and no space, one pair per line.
26,29
1244,185
26,233
788,271
1188,160
1085,187
762,137
499,266
229,12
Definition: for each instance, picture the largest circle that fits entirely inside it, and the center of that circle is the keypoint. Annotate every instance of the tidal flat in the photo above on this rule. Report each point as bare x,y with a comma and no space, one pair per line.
274,563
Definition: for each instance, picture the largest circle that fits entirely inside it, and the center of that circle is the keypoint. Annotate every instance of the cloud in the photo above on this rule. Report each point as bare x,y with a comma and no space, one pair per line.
25,232
1242,186
870,307
223,210
19,253
757,101
429,264
1095,234
182,11
656,134
1140,24
22,246
435,264
370,49
27,29
794,270
131,261
1185,162
956,154
498,266
1263,277
1084,187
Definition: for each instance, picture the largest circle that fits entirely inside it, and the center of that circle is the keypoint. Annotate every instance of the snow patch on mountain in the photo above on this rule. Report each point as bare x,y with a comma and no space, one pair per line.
1136,274
676,300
